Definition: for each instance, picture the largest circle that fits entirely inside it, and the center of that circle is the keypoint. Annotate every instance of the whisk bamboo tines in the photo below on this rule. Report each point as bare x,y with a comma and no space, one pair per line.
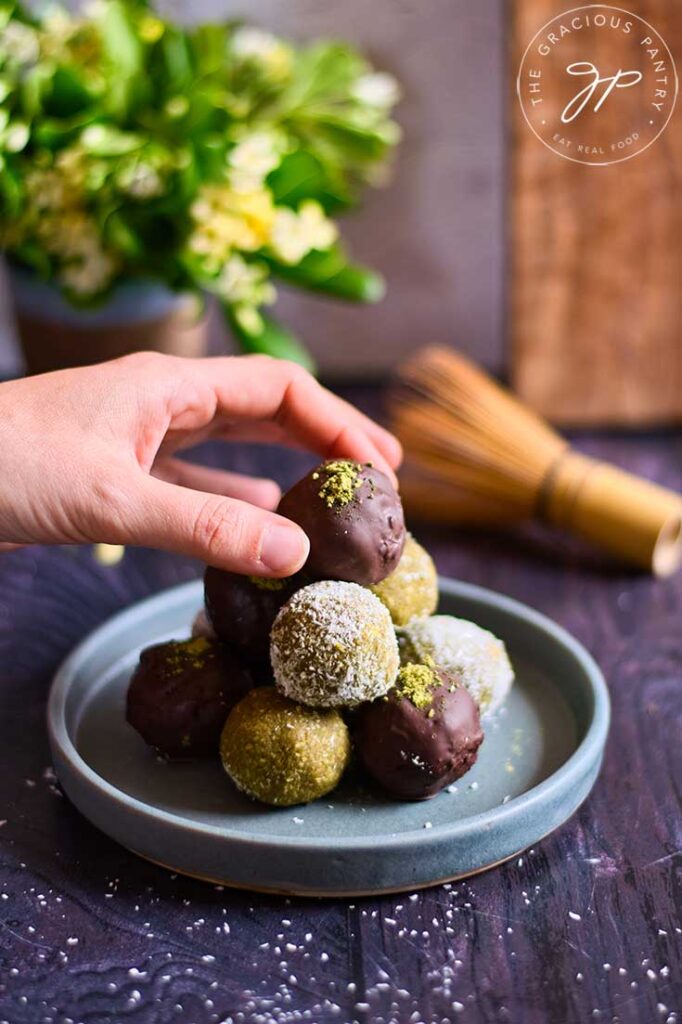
474,453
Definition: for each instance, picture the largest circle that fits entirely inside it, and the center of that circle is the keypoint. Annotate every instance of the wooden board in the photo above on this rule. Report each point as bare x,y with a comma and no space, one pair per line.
596,262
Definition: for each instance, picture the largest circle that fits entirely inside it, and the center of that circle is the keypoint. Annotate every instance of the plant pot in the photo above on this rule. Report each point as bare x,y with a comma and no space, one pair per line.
138,316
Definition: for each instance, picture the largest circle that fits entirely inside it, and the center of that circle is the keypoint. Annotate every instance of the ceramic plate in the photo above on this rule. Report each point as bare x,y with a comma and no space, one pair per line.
539,760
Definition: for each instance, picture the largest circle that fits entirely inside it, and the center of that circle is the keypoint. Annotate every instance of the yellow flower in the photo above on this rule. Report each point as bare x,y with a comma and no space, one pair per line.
89,274
68,233
151,28
264,48
177,106
57,218
294,234
14,137
252,159
69,38
242,282
72,165
257,210
19,42
377,89
140,180
226,220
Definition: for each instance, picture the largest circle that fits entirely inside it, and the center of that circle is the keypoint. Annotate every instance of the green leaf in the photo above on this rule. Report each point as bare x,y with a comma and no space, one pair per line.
34,87
33,255
124,53
177,59
68,94
326,69
272,339
11,194
209,46
329,272
210,157
120,39
302,176
120,236
366,144
55,133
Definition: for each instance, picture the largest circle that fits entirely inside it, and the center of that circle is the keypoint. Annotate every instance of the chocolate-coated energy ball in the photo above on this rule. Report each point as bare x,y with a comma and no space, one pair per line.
353,517
181,693
202,627
475,655
411,590
422,736
242,609
333,645
282,753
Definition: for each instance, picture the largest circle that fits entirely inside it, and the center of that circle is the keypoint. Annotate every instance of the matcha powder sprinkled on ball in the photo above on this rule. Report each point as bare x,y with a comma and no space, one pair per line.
188,654
417,683
269,583
341,482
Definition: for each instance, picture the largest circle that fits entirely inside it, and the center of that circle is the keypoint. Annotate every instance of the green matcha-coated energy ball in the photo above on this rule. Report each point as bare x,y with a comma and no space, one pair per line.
333,645
411,590
282,753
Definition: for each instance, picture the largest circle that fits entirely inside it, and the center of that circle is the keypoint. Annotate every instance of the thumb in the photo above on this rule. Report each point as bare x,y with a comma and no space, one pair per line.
223,532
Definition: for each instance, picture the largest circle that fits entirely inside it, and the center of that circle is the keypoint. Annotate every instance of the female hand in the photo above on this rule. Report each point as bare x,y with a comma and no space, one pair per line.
87,455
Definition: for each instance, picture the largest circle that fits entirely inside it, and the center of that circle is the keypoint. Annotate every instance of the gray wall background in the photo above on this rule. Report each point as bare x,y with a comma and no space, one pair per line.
436,231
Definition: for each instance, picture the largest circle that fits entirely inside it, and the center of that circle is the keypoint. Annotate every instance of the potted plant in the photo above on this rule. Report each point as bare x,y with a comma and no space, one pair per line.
142,162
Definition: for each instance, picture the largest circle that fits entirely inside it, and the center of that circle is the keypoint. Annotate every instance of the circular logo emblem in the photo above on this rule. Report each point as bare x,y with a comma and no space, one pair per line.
597,84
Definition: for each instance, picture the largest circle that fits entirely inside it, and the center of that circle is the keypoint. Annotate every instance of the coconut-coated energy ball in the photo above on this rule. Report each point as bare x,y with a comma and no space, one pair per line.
411,590
475,655
242,609
422,736
181,693
282,753
333,645
354,520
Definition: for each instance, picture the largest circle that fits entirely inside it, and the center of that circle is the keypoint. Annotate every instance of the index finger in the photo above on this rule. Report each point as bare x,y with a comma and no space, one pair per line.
261,388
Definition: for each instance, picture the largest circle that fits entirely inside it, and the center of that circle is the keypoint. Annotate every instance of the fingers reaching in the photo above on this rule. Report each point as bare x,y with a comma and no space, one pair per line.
258,388
221,531
256,490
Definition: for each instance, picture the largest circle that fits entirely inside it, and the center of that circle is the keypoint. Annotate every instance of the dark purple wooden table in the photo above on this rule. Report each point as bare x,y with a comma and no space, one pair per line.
583,927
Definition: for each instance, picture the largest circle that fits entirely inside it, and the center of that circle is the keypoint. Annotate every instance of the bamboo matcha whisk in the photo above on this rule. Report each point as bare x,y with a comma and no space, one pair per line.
474,453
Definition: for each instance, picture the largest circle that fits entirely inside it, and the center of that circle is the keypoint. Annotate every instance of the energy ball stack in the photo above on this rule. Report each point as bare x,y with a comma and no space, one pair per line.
352,638
332,643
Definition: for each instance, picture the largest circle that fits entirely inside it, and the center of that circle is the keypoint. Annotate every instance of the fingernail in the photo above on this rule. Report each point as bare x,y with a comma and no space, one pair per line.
284,549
